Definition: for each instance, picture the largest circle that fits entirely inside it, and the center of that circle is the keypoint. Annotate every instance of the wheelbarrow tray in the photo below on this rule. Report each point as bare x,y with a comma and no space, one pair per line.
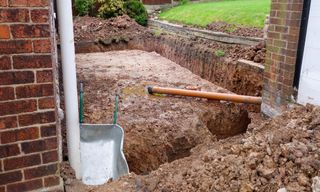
102,157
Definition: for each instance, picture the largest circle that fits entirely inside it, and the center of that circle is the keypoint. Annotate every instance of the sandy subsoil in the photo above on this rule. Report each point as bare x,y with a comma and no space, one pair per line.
158,128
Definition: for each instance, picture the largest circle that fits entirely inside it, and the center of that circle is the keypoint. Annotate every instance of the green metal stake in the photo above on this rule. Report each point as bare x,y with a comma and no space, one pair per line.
115,111
81,103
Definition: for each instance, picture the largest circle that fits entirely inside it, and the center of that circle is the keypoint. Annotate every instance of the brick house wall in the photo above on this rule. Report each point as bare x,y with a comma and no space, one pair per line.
29,142
282,45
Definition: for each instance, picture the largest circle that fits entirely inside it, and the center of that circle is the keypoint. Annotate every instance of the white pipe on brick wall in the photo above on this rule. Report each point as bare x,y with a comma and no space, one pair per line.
64,10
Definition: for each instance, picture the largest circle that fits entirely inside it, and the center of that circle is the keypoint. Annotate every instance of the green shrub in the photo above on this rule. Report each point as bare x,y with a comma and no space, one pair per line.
219,53
83,6
113,8
183,2
137,11
231,28
110,8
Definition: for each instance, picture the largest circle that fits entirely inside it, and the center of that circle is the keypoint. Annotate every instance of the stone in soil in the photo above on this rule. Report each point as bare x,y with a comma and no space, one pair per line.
244,163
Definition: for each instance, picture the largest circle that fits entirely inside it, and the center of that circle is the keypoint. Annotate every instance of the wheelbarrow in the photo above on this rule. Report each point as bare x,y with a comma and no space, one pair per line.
101,147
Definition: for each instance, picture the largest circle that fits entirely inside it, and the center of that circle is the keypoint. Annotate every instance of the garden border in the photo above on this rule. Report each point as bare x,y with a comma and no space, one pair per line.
202,33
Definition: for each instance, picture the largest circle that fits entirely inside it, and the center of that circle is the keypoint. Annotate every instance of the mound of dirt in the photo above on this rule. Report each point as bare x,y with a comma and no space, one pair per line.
256,53
91,28
237,30
281,153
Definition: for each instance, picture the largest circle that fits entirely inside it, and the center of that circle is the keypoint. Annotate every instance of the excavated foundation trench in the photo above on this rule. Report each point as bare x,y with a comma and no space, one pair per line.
161,129
158,129
240,78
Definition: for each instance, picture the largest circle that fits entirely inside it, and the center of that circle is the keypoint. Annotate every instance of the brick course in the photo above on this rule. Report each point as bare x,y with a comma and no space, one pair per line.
29,153
19,135
14,107
25,186
37,118
16,77
28,3
10,177
5,63
20,162
42,46
4,32
32,61
8,122
34,90
30,31
15,46
6,93
39,16
9,150
282,45
44,76
14,15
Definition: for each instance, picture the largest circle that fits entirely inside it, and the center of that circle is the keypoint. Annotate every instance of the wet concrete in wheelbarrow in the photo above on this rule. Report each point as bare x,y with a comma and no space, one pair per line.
158,128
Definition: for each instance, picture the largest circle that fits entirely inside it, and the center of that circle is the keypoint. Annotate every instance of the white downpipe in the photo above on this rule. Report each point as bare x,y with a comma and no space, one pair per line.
69,83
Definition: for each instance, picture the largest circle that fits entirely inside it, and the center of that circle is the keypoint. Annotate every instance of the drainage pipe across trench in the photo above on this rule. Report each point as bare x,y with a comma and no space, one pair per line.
208,95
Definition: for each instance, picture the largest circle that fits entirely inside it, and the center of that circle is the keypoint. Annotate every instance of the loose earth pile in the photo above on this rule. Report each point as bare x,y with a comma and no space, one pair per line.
279,154
91,28
235,29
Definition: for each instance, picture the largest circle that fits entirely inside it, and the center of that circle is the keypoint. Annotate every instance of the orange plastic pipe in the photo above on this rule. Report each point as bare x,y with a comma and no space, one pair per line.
208,95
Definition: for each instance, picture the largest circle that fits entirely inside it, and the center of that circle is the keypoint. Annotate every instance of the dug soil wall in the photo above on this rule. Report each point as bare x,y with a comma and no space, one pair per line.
158,128
198,58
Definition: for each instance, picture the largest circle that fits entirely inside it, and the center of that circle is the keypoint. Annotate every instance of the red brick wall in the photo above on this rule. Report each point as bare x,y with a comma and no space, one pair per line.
282,45
29,154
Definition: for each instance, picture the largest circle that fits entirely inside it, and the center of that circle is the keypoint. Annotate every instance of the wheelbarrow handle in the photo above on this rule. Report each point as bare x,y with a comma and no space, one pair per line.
81,103
115,113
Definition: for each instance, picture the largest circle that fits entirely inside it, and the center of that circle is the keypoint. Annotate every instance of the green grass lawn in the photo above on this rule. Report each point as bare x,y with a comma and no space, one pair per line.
249,13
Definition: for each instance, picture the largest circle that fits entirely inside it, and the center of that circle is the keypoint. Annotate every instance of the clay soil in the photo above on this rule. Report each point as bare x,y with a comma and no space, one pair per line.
91,28
237,30
158,128
124,29
188,144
